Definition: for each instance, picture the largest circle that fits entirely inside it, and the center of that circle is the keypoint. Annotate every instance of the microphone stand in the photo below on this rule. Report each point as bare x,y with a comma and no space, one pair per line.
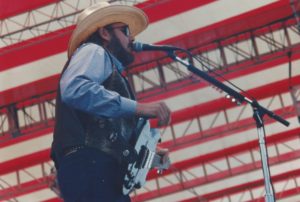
258,113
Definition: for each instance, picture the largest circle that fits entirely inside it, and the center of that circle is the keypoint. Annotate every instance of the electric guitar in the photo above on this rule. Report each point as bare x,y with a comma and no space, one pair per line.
145,146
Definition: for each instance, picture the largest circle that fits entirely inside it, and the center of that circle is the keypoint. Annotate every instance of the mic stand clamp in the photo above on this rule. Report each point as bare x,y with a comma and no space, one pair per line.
258,113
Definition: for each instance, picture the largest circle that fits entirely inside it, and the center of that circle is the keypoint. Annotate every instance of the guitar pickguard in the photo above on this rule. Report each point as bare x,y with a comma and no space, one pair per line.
145,147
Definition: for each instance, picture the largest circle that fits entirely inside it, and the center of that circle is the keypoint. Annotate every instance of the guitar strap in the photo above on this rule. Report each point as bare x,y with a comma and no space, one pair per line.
121,149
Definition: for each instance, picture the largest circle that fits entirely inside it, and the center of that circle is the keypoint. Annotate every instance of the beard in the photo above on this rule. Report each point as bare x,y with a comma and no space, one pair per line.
119,51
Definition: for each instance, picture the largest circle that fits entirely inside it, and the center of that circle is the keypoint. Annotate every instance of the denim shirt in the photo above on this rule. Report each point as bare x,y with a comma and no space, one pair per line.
81,84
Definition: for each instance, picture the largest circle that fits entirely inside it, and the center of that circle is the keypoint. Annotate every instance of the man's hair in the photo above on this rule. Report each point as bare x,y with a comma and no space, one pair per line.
95,38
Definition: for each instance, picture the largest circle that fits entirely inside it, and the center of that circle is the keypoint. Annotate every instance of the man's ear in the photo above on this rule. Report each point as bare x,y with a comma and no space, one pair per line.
104,34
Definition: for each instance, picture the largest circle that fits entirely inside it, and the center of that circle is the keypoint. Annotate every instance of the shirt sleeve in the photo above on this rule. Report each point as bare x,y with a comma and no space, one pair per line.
81,87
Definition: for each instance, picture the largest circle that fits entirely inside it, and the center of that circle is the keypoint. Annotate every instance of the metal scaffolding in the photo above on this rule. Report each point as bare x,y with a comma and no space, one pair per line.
157,77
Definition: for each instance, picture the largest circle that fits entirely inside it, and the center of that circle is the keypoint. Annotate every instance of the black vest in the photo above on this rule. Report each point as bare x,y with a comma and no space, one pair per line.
76,128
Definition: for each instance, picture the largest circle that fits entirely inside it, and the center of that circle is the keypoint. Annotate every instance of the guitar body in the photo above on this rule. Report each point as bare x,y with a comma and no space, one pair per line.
145,147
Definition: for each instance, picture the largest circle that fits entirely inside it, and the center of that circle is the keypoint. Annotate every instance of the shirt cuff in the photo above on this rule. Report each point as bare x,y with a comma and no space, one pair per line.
128,107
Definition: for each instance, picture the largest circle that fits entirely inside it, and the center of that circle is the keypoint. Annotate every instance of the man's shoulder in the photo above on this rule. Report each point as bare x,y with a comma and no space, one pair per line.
89,51
91,47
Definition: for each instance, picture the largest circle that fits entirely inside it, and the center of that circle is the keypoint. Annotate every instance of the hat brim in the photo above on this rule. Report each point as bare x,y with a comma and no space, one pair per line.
135,18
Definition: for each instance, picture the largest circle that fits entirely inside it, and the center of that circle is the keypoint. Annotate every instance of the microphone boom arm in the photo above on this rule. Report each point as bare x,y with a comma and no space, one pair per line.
239,97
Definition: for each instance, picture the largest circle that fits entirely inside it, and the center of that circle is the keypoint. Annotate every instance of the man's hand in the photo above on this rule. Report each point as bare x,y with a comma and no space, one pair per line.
157,110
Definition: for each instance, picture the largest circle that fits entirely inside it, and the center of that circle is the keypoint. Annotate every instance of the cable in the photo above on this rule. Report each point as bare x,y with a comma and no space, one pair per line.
223,78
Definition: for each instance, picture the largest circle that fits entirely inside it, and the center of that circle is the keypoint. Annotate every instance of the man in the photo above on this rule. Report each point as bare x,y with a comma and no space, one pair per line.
96,112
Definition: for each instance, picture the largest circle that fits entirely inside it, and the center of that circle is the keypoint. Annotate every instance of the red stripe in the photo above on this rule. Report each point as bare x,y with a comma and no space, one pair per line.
285,193
15,7
34,49
179,116
223,29
29,90
44,155
39,133
222,131
223,103
236,71
235,149
53,200
56,42
163,9
25,188
252,184
199,160
49,84
25,161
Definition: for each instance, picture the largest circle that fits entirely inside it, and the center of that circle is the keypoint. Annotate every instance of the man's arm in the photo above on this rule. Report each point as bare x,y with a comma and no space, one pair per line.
81,85
157,110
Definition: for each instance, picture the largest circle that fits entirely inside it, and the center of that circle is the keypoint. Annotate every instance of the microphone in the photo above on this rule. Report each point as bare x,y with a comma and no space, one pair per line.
138,47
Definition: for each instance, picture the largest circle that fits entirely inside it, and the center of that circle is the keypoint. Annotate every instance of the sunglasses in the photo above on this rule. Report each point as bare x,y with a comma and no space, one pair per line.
124,29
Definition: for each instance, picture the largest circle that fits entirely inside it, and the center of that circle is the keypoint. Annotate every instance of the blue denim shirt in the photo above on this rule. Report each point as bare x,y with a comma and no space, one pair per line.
81,84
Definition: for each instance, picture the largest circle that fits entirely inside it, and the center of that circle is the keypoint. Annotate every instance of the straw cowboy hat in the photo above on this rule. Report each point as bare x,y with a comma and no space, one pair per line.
102,14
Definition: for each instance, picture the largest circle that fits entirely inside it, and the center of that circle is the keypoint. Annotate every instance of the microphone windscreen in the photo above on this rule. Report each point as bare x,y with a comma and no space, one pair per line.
137,46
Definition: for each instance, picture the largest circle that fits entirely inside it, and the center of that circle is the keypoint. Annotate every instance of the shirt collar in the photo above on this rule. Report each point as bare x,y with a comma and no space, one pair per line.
116,62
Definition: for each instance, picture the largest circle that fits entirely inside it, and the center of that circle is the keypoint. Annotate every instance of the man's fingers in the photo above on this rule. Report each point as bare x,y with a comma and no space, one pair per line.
163,114
155,110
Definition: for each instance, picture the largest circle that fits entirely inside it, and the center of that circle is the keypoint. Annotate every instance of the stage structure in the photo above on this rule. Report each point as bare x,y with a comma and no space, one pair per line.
213,141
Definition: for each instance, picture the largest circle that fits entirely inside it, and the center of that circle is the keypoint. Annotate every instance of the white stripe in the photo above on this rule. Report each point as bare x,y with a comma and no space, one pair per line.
228,141
198,18
221,184
40,195
246,82
31,72
25,147
160,30
181,101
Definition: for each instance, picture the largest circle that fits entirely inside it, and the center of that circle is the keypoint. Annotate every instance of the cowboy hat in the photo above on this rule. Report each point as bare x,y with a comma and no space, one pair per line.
102,14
